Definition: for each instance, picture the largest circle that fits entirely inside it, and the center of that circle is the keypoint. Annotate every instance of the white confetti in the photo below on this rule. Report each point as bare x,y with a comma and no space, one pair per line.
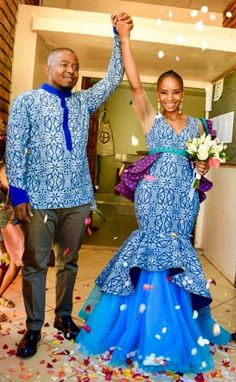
123,307
180,39
170,13
202,341
229,14
115,237
177,307
45,219
151,360
212,16
134,140
209,282
177,58
199,26
142,308
160,54
194,351
159,22
195,314
164,330
204,44
204,364
157,336
130,354
194,13
204,9
216,329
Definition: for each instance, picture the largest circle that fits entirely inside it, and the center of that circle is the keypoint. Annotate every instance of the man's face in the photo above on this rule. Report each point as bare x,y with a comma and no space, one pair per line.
63,70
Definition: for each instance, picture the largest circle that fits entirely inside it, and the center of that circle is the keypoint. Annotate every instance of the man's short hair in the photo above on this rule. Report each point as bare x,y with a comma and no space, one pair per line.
58,50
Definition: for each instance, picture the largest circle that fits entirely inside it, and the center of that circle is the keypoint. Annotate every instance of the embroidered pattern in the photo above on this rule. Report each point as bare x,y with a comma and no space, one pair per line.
166,217
38,160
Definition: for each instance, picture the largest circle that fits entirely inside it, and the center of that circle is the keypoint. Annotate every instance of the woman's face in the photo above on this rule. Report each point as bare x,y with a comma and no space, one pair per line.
170,93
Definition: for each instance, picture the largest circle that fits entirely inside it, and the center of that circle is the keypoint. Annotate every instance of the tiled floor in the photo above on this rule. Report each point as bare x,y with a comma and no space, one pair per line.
56,359
113,220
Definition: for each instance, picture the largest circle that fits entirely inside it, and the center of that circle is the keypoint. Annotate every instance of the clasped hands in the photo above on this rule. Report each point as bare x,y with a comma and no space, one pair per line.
123,23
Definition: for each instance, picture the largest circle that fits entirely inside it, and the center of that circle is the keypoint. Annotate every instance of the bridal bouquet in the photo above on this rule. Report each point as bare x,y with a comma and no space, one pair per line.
205,148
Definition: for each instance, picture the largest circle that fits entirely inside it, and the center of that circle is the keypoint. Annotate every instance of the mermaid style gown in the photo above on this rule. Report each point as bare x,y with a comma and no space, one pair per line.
150,305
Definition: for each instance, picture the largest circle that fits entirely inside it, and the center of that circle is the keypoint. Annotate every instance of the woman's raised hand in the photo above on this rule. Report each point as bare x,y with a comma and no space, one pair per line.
123,24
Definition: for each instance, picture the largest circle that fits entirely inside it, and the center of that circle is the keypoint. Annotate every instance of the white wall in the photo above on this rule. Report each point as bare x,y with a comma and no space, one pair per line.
216,227
41,53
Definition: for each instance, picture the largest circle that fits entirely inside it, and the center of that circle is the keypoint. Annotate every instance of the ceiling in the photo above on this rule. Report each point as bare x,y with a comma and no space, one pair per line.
195,64
213,5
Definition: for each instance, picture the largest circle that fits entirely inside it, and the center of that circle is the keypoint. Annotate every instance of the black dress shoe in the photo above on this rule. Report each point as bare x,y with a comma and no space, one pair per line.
28,344
67,326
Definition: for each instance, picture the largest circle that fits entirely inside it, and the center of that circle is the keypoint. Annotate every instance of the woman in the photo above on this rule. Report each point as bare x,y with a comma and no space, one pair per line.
11,249
151,302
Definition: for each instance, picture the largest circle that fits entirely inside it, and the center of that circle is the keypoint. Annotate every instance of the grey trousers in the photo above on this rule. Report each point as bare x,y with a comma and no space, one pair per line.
65,229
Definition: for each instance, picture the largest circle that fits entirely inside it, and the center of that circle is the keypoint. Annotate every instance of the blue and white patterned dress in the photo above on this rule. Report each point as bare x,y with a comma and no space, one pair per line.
151,300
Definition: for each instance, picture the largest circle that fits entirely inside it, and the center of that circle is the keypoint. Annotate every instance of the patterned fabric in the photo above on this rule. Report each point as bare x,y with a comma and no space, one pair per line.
39,161
166,217
139,169
133,174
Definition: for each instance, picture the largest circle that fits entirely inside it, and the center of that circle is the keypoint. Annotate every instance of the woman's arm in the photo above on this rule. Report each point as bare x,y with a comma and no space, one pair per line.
144,110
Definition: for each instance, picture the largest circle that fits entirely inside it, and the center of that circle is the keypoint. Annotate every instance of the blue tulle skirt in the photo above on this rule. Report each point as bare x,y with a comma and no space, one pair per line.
154,328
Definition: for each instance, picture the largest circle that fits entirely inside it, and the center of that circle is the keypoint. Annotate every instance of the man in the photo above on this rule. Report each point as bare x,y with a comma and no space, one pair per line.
50,184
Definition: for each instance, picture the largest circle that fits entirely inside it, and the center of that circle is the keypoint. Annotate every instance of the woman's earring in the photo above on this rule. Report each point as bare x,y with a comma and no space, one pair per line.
181,106
158,106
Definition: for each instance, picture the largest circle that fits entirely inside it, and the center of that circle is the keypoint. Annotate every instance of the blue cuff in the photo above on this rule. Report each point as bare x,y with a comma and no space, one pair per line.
18,196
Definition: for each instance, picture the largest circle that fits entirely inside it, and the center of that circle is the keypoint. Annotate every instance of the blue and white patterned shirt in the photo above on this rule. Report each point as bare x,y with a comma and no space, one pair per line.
47,135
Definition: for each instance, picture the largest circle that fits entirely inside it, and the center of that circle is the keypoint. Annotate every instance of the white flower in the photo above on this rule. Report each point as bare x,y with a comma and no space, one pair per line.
205,147
202,152
192,149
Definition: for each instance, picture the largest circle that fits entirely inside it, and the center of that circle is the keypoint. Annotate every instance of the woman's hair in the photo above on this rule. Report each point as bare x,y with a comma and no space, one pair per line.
170,73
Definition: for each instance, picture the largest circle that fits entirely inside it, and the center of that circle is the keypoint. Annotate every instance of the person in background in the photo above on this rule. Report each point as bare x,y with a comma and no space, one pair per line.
151,304
11,247
50,184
